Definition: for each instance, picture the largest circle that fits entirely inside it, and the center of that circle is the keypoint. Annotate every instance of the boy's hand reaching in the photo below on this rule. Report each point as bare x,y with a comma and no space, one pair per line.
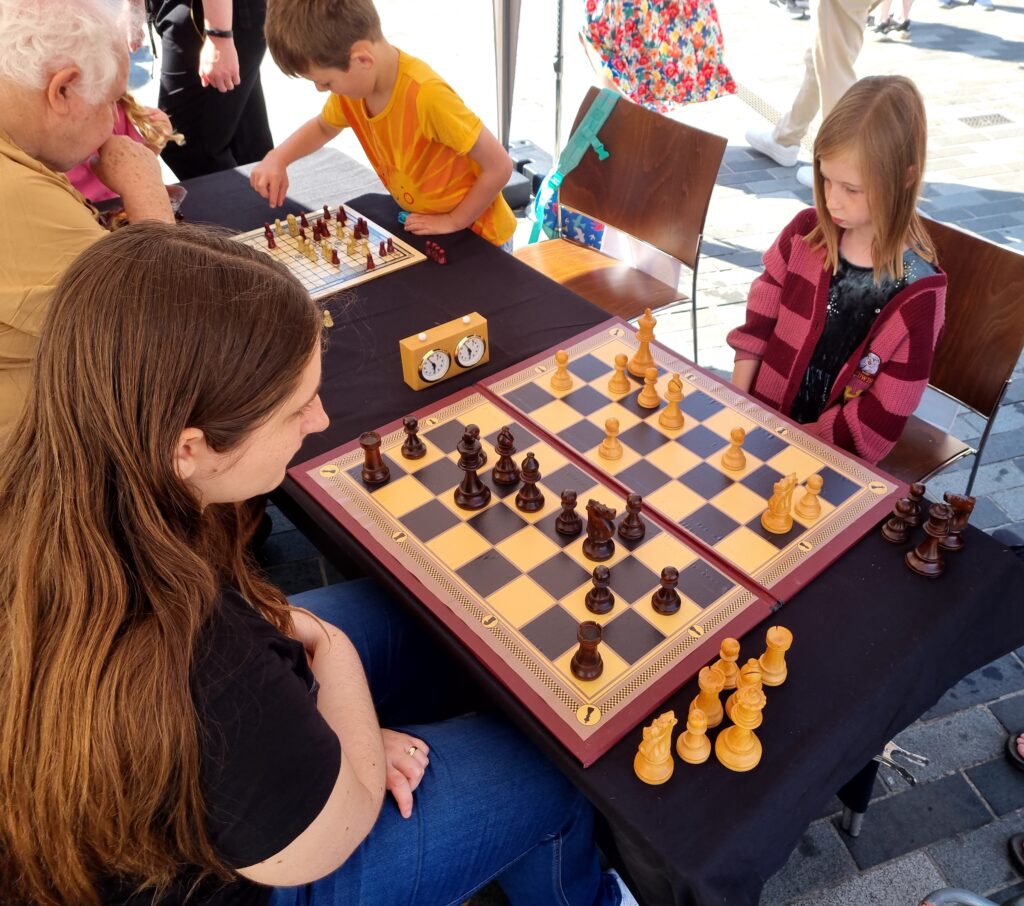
431,224
270,178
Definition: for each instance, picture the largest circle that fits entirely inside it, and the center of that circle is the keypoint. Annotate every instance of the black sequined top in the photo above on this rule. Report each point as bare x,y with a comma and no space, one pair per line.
854,301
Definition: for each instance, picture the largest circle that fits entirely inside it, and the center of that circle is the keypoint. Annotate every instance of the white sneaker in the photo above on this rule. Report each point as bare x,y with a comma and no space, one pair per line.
805,176
761,140
627,895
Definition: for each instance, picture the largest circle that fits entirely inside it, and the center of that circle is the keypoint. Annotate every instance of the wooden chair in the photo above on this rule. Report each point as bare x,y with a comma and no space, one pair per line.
656,186
977,352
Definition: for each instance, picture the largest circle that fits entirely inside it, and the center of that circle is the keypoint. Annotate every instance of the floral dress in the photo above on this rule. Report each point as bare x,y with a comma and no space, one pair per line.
660,54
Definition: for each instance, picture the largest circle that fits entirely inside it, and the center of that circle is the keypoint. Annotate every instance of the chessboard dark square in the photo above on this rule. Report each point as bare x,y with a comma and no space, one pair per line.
706,480
582,436
702,441
709,524
393,467
642,437
559,575
700,406
642,477
488,572
630,636
585,400
588,367
763,444
498,490
780,541
553,632
547,527
496,523
528,397
651,530
836,488
761,480
428,521
629,401
523,439
446,437
703,584
568,478
631,580
440,476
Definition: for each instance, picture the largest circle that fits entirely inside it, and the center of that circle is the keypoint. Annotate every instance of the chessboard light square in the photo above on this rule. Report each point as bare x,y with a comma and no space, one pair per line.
457,546
487,417
402,496
556,416
590,690
675,500
432,455
448,499
673,459
628,459
670,626
664,550
793,459
519,602
724,421
747,550
626,418
826,508
528,548
740,503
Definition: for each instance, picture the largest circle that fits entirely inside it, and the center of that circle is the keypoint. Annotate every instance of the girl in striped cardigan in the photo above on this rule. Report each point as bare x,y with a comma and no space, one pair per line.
842,325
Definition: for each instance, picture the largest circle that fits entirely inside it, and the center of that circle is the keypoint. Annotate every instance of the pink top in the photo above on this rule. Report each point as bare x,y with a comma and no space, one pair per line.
82,176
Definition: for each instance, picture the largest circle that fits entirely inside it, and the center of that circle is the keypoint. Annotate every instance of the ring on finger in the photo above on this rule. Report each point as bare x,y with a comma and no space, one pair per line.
412,750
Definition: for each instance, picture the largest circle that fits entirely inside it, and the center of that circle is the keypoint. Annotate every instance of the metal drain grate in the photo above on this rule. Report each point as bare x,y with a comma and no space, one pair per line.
986,119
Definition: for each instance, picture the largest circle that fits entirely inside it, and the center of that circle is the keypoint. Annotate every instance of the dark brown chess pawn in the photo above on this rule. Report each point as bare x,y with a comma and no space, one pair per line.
474,432
600,599
505,471
895,530
666,599
530,499
961,506
586,663
375,471
926,559
472,493
632,527
413,447
916,496
569,521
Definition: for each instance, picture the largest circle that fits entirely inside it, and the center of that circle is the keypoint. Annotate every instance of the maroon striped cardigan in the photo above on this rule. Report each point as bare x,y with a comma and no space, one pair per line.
785,318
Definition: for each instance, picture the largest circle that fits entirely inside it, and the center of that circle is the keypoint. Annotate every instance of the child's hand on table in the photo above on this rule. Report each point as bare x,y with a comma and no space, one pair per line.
431,224
270,178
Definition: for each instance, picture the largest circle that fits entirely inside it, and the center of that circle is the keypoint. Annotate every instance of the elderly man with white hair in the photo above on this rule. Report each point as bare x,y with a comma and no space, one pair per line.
63,67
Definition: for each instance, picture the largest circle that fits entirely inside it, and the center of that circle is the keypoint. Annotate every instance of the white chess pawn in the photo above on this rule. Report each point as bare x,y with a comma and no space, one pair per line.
611,446
809,507
561,379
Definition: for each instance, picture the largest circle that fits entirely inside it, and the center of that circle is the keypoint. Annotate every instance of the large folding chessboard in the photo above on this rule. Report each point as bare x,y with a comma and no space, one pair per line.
321,277
512,589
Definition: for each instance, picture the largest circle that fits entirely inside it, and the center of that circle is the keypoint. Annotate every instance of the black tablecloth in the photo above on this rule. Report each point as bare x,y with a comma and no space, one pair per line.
875,645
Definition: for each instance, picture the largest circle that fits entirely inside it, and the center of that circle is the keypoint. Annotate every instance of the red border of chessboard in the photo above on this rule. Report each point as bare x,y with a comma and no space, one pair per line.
586,750
794,580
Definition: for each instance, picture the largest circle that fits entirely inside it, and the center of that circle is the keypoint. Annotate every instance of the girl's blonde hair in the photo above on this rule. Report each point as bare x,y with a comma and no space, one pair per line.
880,120
154,134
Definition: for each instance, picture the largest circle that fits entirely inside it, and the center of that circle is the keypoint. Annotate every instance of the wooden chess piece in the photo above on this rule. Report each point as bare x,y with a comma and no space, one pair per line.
926,559
413,447
734,459
611,446
474,431
895,530
774,671
472,493
568,521
671,416
375,471
653,763
600,599
737,747
632,527
750,675
710,680
529,498
808,507
778,519
916,496
648,397
586,663
693,745
620,383
728,655
561,379
642,358
961,507
599,544
505,471
666,600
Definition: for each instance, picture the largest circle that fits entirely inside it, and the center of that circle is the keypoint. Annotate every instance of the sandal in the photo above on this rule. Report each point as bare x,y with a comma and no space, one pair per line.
1016,759
1016,845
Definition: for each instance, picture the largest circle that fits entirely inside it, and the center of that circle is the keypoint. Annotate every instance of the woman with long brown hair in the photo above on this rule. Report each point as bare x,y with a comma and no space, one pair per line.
172,729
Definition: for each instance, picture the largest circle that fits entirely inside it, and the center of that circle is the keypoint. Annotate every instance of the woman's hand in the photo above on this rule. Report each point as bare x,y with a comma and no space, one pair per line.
407,759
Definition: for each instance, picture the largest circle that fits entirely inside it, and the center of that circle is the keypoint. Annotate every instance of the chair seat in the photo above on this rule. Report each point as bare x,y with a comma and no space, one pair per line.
923,450
612,286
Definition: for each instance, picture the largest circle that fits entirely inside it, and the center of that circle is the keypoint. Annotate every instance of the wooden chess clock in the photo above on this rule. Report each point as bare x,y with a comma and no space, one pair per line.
445,351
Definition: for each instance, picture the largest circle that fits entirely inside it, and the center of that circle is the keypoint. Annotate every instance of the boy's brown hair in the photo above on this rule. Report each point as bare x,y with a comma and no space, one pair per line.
301,33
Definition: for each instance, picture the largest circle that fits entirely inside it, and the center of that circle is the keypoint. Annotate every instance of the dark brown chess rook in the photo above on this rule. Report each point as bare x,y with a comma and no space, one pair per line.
271,243
961,506
472,493
342,216
916,496
926,559
600,599
569,521
335,260
529,498
474,430
505,471
666,599
375,471
895,528
586,663
327,213
599,544
632,527
413,447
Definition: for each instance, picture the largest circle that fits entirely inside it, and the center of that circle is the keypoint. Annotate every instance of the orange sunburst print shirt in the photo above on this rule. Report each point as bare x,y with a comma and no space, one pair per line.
419,145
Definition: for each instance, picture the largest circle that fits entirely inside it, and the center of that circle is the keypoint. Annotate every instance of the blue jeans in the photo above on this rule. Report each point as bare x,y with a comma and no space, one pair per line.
490,806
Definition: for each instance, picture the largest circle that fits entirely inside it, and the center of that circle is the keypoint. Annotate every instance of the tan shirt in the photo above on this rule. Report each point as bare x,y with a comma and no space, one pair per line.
44,225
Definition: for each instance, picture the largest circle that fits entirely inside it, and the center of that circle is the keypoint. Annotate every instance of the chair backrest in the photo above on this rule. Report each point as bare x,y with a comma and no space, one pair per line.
655,185
984,331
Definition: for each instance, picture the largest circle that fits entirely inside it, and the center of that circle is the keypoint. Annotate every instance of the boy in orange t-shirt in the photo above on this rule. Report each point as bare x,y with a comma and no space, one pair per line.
432,152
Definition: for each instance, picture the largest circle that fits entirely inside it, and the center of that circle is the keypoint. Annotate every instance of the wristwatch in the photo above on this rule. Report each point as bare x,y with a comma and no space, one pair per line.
219,32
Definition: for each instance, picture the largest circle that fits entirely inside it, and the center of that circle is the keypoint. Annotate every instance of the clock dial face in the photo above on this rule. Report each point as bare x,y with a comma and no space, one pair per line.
435,365
470,350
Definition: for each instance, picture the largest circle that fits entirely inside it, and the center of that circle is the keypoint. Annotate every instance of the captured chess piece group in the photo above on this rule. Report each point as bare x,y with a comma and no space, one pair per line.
944,528
737,746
